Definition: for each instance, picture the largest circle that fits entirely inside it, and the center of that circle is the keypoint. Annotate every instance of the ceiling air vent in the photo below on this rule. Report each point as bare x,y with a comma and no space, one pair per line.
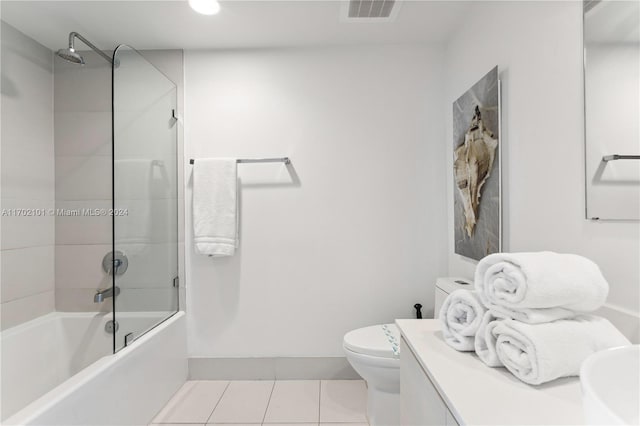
370,8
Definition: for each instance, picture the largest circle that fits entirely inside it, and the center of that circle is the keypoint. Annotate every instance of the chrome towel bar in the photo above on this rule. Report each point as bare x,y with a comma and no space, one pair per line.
620,157
284,160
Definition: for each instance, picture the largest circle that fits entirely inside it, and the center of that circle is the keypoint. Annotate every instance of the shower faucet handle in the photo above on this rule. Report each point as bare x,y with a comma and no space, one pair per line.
115,263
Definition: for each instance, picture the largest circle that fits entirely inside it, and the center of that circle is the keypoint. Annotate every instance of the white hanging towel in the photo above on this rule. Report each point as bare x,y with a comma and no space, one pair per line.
215,206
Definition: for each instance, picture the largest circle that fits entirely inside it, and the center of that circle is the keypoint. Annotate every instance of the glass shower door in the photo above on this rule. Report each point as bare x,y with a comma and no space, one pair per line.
145,196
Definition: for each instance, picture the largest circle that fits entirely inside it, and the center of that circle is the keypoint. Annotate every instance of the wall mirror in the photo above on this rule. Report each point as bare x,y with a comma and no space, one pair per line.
612,109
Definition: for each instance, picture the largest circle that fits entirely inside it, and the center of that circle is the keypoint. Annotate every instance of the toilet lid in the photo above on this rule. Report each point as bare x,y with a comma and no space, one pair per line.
377,340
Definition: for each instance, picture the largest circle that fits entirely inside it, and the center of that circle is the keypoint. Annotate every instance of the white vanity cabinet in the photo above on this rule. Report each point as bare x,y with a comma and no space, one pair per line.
437,382
420,403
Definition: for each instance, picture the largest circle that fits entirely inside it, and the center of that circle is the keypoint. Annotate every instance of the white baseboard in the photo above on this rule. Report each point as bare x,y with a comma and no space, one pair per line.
280,368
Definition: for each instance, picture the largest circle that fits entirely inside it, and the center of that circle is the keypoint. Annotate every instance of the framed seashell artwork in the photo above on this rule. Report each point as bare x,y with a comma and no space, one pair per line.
477,170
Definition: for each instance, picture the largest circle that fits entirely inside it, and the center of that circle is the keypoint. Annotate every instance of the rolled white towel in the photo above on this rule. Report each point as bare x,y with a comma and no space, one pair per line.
540,287
460,317
539,353
485,341
531,315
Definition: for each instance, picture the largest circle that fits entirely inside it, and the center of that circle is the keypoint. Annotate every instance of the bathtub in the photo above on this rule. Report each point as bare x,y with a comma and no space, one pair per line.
59,369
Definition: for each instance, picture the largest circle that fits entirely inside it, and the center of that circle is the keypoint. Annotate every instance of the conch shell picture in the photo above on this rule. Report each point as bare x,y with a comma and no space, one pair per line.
472,165
477,206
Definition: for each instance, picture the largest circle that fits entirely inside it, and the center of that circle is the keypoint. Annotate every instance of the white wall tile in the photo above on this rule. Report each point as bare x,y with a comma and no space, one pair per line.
82,133
27,116
27,271
80,300
86,88
27,174
83,229
27,107
80,266
27,308
83,178
27,177
37,229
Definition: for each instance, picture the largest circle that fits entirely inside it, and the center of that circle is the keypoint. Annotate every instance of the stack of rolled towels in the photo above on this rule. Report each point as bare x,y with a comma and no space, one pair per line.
528,312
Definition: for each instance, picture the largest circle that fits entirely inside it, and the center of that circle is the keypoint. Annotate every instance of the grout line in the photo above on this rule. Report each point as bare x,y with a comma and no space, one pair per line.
52,245
319,399
264,417
218,403
39,293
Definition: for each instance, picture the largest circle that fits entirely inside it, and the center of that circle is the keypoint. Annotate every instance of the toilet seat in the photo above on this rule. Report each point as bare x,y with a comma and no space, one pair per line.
381,341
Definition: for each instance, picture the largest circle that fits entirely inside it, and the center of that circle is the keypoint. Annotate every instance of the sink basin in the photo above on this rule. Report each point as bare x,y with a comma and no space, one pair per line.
611,387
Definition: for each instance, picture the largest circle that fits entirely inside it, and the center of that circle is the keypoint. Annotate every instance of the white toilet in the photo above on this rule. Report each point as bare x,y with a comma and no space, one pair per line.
374,352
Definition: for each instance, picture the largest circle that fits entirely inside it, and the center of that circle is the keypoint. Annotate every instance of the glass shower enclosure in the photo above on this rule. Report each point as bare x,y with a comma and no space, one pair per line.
144,261
89,261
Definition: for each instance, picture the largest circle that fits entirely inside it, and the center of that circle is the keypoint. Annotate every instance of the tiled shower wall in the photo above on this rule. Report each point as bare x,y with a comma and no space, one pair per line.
83,180
27,182
56,153
83,160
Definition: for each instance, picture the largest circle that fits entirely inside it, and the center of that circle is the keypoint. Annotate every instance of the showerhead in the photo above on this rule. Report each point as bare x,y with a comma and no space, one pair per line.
69,54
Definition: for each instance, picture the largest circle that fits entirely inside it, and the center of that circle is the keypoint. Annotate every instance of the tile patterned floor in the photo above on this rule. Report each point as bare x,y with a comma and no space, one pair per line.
267,402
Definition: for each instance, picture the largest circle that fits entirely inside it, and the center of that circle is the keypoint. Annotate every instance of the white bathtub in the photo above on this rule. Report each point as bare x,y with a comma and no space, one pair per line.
59,369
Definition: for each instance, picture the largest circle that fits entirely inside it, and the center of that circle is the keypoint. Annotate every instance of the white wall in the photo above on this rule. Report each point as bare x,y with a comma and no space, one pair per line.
27,153
538,48
352,233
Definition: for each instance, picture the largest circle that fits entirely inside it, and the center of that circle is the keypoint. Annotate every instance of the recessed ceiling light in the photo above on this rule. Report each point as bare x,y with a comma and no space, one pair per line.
205,7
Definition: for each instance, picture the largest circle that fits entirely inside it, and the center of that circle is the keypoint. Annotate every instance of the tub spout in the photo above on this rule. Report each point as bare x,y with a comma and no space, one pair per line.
105,293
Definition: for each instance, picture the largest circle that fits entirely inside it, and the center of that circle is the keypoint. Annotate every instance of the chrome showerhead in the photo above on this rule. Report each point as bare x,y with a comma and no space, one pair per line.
69,54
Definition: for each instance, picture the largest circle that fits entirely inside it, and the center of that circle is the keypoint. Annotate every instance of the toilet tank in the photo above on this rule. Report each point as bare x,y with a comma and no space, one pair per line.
446,285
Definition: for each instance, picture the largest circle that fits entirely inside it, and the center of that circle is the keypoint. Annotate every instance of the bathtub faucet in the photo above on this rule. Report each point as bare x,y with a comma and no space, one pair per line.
105,293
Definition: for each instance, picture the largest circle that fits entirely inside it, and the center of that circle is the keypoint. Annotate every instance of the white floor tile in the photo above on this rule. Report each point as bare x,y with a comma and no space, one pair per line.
180,424
193,403
294,401
290,424
343,401
243,402
342,424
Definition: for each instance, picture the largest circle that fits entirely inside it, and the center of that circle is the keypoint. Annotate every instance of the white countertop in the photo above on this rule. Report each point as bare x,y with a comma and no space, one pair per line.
477,394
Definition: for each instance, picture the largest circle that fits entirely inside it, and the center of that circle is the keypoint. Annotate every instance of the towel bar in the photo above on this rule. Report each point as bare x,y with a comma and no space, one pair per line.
620,157
284,160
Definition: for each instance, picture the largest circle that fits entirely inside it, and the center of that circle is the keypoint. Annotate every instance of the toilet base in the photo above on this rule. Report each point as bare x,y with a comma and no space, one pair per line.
383,408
